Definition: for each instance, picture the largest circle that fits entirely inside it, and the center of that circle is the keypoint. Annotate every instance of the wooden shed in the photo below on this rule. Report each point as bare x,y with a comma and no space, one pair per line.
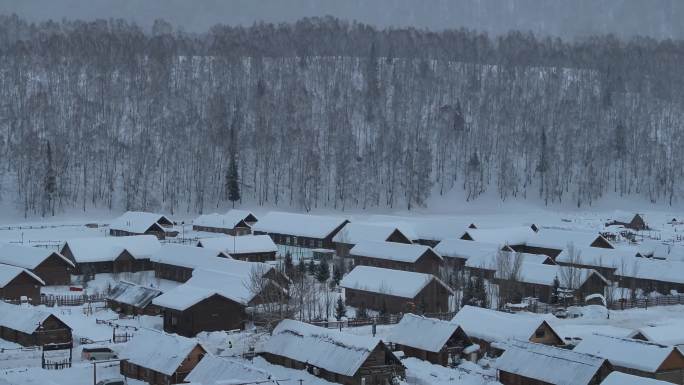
252,248
552,242
111,254
51,266
439,342
353,233
332,355
397,256
636,222
395,291
131,299
18,284
300,230
234,222
28,326
141,223
160,358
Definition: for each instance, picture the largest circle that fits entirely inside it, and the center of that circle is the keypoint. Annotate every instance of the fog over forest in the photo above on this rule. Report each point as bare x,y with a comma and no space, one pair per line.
323,112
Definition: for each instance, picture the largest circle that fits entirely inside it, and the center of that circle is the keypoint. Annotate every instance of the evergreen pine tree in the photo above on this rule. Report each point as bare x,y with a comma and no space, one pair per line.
340,309
556,288
312,267
232,180
323,271
301,268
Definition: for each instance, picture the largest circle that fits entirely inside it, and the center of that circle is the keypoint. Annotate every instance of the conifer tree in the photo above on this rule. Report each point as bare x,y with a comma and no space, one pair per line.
340,309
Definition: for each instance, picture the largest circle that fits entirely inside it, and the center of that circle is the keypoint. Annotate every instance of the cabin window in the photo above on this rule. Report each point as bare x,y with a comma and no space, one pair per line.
539,333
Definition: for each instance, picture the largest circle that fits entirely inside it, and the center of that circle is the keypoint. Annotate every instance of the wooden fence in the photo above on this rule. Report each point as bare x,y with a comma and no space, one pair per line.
645,303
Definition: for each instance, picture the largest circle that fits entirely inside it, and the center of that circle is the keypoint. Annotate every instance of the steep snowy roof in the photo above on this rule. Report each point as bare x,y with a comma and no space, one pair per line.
619,378
595,256
540,274
206,259
240,245
560,239
627,352
423,333
132,294
405,284
161,352
390,250
136,221
9,272
653,269
665,334
303,225
548,364
22,318
501,236
462,249
328,349
223,221
26,256
215,370
106,249
492,325
489,261
355,232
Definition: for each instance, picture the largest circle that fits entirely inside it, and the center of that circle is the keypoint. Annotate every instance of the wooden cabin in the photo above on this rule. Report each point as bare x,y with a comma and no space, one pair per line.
332,355
439,342
651,275
28,326
225,370
427,231
131,299
17,284
234,222
485,327
353,233
300,230
637,222
525,363
111,254
141,223
456,252
397,256
640,358
160,358
485,265
511,236
50,266
213,301
618,378
251,248
395,291
552,242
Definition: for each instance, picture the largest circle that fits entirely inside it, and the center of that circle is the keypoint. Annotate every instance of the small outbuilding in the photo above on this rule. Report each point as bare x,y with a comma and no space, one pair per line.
131,299
141,223
234,222
28,326
17,284
636,222
252,248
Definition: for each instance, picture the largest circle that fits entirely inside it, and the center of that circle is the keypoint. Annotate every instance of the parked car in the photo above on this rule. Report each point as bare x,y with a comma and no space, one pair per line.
98,354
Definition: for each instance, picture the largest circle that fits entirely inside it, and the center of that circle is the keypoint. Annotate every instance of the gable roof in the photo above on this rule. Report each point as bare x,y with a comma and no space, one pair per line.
595,256
193,257
23,318
334,351
132,294
26,256
664,334
223,221
311,226
560,239
501,236
161,352
355,232
540,274
489,261
393,251
105,249
619,378
218,370
8,273
399,283
425,228
652,269
548,364
627,352
137,221
423,333
240,245
463,249
488,325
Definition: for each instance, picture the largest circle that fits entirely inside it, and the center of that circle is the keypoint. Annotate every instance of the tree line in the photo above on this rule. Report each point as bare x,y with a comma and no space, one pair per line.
327,113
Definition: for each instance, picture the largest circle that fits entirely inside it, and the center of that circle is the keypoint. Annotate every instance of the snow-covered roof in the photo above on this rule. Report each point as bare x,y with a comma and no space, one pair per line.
489,261
540,274
9,272
427,228
22,318
664,334
205,284
401,252
240,245
334,351
462,249
161,352
355,232
399,283
501,236
105,249
491,325
206,259
653,269
548,364
627,352
619,378
136,221
212,370
560,239
132,294
303,225
656,249
595,256
223,221
419,332
26,256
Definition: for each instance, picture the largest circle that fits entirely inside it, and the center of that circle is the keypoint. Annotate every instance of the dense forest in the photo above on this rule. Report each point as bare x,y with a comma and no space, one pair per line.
327,113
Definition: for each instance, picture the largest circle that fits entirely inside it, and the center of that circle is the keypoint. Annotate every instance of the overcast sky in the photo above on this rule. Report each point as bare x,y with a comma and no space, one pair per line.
568,18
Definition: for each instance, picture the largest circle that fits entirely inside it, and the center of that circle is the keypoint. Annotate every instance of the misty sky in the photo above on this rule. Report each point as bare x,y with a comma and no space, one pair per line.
567,18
